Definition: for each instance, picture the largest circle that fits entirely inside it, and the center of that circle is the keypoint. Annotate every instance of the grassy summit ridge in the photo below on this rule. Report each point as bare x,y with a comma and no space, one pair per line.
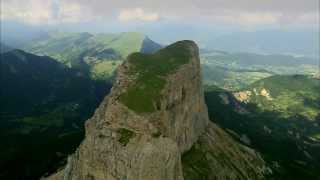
151,71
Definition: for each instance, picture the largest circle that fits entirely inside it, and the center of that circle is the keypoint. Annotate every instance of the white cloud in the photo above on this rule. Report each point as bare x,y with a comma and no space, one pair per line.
71,12
45,11
137,14
30,11
215,12
308,18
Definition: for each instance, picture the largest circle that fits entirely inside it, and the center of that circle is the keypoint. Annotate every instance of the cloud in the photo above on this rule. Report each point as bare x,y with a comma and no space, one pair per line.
137,14
258,18
48,12
30,11
215,12
71,12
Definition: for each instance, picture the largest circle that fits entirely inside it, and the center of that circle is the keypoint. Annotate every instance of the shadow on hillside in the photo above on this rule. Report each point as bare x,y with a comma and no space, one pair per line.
38,141
282,141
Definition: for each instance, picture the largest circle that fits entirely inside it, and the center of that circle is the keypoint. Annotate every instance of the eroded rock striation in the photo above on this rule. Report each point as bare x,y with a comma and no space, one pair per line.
154,125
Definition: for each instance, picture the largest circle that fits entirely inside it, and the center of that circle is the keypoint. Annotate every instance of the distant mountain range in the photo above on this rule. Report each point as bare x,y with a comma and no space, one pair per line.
96,54
251,59
238,70
294,41
269,42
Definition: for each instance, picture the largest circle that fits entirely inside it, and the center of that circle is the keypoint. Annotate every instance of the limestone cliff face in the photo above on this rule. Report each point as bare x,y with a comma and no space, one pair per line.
123,143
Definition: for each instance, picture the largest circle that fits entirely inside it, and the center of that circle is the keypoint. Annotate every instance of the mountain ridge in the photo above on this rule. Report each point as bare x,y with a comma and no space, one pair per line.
96,54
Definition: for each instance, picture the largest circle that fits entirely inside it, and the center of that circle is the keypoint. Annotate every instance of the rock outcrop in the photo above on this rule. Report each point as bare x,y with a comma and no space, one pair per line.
153,123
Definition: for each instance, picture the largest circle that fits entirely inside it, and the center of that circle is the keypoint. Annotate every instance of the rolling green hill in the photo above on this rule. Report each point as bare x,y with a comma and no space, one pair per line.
295,95
43,108
279,116
96,54
234,71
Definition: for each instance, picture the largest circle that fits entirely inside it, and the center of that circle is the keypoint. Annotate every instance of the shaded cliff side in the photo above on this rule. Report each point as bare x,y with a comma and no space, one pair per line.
154,125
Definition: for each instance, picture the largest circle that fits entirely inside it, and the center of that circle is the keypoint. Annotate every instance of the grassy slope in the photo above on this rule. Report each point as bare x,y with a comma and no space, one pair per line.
291,95
104,69
151,72
72,44
73,48
284,140
127,43
231,79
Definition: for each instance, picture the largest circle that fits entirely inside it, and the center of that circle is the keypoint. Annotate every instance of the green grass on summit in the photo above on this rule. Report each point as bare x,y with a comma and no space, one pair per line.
151,72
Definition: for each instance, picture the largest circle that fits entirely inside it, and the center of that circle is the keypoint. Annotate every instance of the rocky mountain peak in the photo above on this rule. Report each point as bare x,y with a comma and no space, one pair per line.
161,94
154,114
